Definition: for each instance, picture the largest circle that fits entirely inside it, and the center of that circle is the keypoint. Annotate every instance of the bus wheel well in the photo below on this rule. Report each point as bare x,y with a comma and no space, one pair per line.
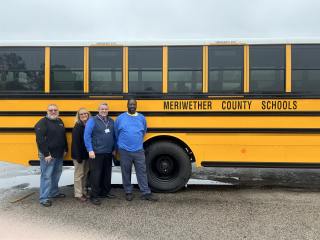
172,139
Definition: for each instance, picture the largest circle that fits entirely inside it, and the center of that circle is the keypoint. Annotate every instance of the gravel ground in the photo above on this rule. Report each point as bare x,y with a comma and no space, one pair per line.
264,209
226,212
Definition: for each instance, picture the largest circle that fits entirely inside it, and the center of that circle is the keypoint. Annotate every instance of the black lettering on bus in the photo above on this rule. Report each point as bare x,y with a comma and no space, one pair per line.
194,104
184,105
209,105
223,105
166,105
279,105
228,105
295,105
171,105
240,104
285,105
235,105
249,104
176,105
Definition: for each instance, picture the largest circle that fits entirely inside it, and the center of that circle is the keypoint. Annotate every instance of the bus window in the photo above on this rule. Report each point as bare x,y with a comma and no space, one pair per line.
21,69
145,69
306,68
225,69
66,66
106,70
267,69
184,69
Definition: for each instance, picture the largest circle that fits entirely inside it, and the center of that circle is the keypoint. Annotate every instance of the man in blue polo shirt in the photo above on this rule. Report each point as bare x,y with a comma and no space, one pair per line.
130,128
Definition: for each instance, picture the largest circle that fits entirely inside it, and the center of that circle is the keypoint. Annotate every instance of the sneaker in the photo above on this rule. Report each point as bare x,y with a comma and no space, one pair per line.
149,197
46,203
59,195
95,201
129,196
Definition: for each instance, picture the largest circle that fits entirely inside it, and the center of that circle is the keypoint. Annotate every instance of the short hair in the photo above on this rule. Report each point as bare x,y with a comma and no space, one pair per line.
131,99
52,104
103,104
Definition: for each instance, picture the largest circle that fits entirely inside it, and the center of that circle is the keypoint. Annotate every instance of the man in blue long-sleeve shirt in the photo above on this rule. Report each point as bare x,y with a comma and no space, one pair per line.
99,140
130,128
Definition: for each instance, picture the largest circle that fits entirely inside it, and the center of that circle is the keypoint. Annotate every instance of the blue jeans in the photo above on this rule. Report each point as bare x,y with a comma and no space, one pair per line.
50,176
139,161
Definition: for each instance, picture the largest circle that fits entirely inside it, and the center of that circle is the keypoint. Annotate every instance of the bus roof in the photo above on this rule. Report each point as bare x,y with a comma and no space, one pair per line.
178,42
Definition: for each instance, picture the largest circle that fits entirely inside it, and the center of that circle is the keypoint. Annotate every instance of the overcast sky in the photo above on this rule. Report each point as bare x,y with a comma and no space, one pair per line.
149,20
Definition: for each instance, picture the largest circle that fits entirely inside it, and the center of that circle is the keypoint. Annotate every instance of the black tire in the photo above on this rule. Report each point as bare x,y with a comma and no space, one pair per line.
168,166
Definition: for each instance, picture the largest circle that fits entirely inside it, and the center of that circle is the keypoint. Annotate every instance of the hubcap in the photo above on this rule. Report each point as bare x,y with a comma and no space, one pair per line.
164,167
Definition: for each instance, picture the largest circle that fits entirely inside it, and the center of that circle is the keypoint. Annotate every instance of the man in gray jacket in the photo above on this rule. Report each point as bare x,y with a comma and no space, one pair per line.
99,140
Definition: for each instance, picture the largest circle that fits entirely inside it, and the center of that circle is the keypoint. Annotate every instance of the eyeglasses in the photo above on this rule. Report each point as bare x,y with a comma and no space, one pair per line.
81,114
53,110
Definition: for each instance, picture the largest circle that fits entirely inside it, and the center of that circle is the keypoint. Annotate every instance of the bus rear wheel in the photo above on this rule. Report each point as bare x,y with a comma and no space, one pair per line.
169,167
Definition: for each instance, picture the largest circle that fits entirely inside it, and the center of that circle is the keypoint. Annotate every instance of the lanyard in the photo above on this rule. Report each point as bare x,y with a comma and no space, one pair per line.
106,124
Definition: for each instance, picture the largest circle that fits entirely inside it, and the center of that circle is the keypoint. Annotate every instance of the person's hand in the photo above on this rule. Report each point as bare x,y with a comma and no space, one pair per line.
92,155
64,154
114,153
48,158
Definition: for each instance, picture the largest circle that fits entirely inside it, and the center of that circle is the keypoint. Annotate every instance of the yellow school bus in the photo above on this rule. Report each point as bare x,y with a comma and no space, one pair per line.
216,104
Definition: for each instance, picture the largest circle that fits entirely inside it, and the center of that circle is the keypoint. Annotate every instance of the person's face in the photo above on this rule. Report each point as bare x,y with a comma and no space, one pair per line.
132,106
53,112
83,115
103,110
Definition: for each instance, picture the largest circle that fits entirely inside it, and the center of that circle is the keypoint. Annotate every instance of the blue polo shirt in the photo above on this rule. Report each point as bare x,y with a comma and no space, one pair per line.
129,131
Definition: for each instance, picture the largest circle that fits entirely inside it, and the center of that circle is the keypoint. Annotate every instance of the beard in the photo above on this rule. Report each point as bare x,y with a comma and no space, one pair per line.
52,117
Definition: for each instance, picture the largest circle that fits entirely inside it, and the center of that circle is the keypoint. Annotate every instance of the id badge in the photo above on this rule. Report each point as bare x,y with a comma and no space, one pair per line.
107,130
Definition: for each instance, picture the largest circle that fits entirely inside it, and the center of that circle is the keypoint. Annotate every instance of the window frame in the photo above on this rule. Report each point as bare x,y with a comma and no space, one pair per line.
195,70
146,70
72,70
92,69
283,69
38,50
223,69
304,70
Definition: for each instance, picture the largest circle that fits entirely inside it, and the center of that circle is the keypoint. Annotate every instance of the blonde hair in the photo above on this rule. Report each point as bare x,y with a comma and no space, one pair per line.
77,118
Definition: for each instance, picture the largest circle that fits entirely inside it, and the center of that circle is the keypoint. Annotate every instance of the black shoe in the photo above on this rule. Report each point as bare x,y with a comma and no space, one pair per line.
95,201
109,195
149,197
46,203
129,196
59,195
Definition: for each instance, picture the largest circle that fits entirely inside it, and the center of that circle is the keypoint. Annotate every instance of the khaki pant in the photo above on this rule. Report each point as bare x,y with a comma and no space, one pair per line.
80,177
